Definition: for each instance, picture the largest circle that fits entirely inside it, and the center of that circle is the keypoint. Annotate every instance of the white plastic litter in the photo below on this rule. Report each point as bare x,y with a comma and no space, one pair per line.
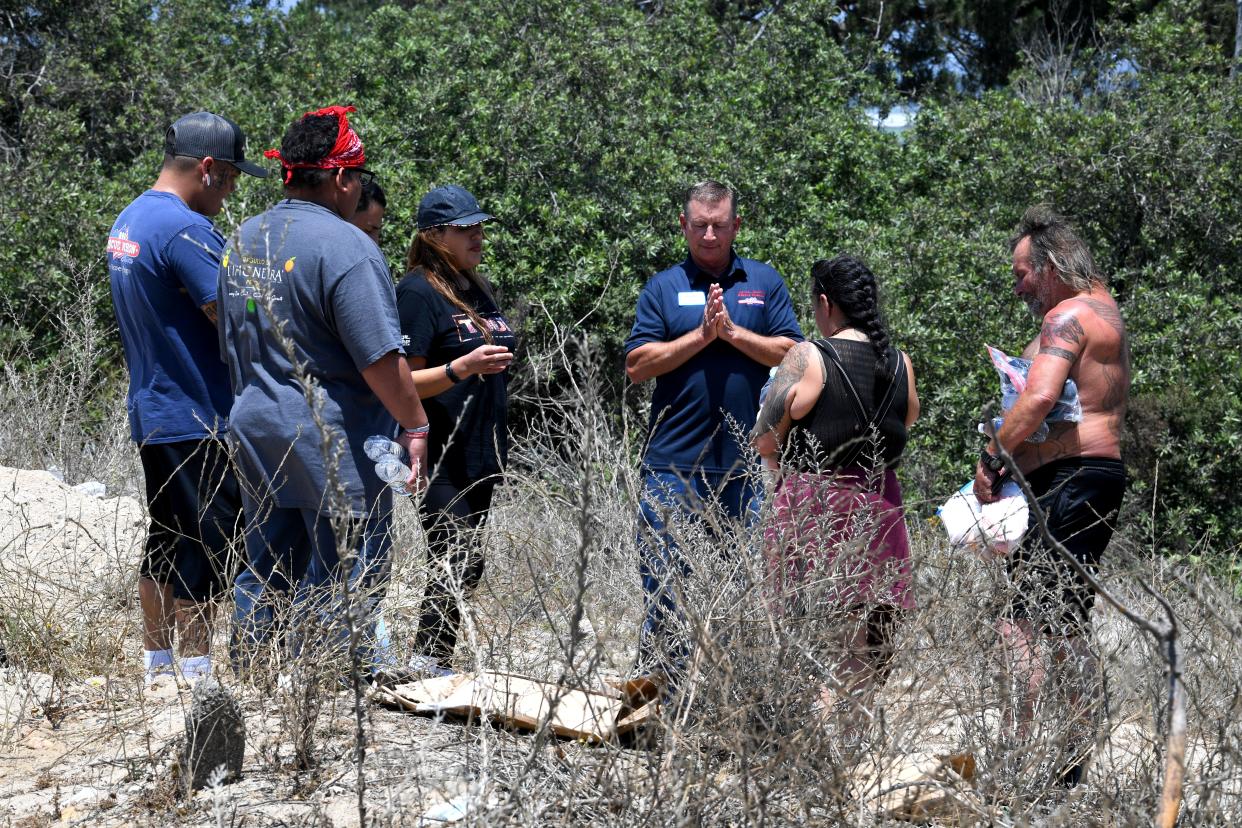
447,813
989,529
91,488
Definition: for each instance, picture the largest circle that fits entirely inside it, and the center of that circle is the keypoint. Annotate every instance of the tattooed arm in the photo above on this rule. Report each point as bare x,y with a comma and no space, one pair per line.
793,392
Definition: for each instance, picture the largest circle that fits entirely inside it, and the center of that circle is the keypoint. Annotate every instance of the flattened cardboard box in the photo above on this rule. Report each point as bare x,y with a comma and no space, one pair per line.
592,715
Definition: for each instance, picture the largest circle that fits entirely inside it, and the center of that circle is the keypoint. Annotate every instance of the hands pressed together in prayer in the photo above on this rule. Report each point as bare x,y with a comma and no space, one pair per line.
716,319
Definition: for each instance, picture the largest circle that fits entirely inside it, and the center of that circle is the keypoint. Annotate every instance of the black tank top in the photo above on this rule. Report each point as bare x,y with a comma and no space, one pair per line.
834,433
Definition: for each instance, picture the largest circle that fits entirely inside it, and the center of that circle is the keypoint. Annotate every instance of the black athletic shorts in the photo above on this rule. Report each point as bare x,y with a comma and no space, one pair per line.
193,498
1080,496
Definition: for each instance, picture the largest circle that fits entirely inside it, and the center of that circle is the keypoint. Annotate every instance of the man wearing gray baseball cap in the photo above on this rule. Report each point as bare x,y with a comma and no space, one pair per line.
163,261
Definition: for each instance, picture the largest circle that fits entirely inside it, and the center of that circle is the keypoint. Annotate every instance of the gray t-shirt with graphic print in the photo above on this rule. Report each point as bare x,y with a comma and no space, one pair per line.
306,302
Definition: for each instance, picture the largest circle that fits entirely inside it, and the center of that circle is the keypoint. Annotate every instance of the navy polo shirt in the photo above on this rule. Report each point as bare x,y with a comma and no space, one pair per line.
701,409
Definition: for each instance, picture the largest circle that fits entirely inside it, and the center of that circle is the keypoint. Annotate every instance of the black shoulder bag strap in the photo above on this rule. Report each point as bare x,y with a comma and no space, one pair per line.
891,395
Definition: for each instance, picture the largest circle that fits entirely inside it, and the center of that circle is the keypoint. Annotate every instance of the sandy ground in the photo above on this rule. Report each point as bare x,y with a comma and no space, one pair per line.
103,751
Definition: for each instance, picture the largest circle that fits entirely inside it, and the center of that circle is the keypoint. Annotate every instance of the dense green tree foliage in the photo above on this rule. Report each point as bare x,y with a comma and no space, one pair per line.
578,125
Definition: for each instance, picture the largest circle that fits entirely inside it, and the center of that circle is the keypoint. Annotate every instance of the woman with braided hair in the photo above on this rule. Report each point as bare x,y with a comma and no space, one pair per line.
834,425
460,346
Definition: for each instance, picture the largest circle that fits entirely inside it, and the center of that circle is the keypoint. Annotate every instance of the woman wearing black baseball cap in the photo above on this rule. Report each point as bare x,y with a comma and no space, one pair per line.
459,345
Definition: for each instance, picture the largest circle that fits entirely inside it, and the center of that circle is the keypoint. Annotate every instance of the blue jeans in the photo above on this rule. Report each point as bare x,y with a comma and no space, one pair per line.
690,497
294,563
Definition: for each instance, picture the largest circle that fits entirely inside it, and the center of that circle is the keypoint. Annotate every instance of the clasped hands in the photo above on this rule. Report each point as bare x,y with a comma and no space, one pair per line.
716,320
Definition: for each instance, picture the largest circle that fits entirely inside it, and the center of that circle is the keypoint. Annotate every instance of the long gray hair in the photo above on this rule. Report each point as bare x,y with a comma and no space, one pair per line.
1053,239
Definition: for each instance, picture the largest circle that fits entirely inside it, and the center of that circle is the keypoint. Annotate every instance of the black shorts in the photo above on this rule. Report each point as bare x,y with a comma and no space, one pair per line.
195,541
1080,496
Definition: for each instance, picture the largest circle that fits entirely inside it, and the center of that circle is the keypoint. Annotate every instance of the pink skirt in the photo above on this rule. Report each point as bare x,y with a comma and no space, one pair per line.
845,534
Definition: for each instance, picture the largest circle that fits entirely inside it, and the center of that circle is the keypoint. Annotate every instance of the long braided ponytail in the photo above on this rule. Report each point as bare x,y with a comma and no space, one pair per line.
849,284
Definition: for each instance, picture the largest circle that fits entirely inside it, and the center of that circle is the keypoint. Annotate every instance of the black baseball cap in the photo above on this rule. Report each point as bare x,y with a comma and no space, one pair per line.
204,133
449,204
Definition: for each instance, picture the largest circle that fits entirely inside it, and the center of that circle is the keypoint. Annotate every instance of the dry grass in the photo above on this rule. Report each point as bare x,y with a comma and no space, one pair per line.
561,601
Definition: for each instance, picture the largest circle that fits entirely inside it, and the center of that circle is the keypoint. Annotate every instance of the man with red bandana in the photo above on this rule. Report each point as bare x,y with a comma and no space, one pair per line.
309,330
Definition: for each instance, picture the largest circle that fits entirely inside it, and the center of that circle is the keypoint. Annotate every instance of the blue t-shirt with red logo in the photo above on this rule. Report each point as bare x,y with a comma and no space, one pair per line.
701,408
163,262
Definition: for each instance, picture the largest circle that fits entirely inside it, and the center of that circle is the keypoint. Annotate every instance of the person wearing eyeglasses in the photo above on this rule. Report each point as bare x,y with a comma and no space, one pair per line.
310,333
460,346
369,215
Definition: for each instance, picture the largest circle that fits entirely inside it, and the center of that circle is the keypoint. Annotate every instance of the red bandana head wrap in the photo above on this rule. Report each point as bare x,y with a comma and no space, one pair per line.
346,152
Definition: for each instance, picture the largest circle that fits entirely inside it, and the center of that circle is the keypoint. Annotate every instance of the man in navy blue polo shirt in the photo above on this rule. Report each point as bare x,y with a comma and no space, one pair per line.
163,258
707,330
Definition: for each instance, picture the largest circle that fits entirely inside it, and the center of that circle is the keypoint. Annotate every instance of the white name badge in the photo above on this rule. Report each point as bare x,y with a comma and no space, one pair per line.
691,297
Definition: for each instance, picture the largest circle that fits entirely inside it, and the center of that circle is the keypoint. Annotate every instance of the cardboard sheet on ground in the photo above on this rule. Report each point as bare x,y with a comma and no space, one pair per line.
594,715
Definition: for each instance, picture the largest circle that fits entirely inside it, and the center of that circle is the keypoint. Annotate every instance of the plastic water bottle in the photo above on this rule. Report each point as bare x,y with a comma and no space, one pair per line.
393,472
390,461
767,386
377,447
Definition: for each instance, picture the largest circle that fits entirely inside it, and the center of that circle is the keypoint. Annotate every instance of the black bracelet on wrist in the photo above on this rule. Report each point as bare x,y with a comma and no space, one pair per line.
450,373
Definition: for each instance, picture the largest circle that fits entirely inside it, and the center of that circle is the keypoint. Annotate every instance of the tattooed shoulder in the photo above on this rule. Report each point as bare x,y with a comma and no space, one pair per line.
1062,326
1106,311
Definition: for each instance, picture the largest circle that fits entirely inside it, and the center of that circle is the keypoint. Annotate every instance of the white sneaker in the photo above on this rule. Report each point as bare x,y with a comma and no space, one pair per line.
194,668
159,675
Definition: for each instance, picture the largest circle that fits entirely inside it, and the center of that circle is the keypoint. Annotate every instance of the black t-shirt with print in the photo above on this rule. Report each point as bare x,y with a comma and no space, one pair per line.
468,439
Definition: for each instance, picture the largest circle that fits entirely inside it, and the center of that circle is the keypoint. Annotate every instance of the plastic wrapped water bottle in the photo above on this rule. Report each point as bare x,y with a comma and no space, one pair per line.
767,386
393,472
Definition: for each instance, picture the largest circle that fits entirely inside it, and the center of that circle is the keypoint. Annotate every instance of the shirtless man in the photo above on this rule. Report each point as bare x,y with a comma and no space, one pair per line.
1076,474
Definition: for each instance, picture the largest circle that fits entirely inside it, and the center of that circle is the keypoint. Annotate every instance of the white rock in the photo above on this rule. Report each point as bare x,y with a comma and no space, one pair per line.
63,552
